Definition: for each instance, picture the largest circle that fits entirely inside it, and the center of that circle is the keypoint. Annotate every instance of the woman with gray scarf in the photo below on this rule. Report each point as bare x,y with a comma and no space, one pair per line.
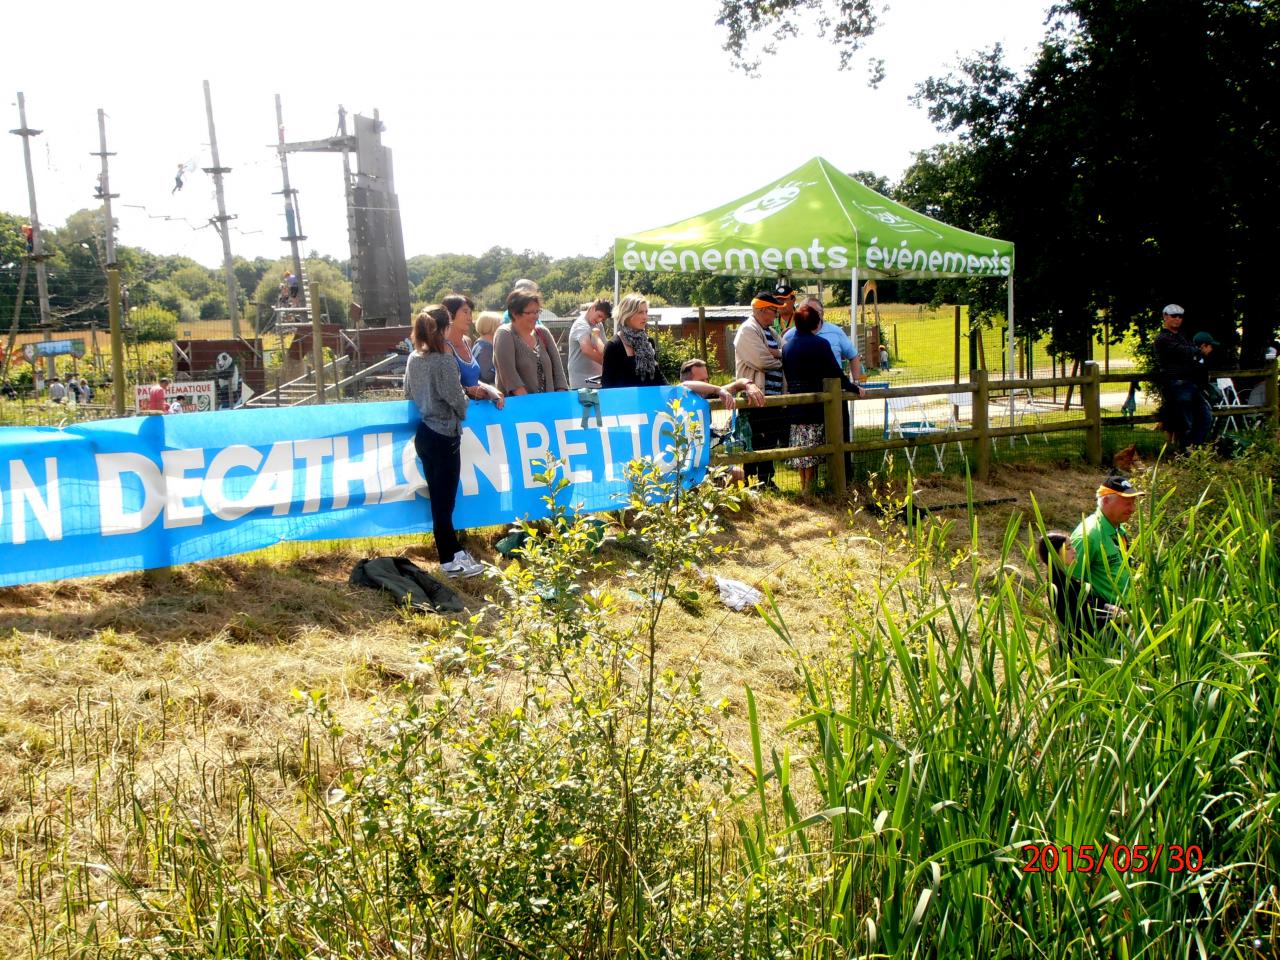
630,358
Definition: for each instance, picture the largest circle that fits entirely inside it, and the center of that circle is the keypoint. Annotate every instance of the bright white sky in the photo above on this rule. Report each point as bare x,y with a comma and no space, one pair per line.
545,126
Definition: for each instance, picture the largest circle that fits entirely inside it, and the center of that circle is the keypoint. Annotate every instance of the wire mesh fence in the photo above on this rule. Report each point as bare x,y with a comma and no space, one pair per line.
922,347
970,426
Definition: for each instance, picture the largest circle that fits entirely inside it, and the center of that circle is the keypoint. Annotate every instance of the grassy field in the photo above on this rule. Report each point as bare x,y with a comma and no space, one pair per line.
924,339
249,757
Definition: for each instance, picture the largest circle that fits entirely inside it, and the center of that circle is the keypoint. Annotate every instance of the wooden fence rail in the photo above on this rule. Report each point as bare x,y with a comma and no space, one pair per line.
985,426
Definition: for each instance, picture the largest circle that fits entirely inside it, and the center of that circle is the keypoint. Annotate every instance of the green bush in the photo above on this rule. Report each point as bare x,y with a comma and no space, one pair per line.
153,323
673,351
581,810
213,307
563,304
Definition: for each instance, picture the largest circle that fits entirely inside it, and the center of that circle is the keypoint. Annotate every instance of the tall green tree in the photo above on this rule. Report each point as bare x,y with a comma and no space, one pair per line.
1134,165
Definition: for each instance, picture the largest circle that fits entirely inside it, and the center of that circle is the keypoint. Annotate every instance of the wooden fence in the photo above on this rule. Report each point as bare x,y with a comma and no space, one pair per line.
983,430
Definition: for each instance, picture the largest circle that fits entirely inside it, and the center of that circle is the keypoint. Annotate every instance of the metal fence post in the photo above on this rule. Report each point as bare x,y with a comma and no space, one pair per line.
981,424
1091,397
833,415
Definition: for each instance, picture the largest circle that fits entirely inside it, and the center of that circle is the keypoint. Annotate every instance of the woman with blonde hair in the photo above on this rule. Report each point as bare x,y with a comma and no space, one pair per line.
433,383
486,326
630,357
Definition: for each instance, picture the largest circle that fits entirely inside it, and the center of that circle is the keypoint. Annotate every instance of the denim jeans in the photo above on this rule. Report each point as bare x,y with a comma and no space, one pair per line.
441,458
1188,412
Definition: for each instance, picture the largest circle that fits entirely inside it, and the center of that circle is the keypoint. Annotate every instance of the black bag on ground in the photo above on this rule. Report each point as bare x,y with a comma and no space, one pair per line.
404,579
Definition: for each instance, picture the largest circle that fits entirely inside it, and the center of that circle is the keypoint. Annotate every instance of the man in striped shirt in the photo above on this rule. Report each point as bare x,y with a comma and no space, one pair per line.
758,359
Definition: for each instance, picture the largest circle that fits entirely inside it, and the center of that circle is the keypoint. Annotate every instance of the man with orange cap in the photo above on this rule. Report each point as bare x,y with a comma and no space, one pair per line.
1101,541
757,351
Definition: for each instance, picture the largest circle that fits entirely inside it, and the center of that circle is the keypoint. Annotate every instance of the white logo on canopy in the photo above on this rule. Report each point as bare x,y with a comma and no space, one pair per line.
765,205
893,221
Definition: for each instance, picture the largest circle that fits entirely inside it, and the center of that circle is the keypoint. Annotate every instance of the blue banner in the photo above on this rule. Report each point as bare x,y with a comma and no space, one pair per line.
159,491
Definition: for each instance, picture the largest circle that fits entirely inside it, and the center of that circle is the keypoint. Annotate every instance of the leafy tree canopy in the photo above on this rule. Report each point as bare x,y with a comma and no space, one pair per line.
1134,165
847,22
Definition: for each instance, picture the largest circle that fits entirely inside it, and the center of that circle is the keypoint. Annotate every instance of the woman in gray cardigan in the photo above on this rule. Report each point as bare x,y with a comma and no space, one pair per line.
524,354
432,382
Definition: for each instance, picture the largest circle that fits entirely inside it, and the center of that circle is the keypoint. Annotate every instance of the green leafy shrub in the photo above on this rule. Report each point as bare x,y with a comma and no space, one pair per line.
213,307
153,323
576,813
673,351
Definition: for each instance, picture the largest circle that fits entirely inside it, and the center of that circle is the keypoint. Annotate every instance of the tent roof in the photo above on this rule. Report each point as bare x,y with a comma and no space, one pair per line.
814,222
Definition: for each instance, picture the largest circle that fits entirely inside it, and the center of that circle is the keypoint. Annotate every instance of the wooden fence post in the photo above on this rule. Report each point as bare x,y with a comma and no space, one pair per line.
981,424
957,346
833,415
1091,397
317,340
702,337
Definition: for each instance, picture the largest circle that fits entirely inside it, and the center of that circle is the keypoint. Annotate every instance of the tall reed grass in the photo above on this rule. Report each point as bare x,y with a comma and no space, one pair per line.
948,742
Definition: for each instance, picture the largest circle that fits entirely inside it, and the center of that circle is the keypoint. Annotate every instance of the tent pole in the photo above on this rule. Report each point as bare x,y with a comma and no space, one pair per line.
853,308
1012,374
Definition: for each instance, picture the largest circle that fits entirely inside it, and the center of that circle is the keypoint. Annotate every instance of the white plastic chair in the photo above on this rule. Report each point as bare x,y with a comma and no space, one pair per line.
907,420
959,408
1227,387
1020,401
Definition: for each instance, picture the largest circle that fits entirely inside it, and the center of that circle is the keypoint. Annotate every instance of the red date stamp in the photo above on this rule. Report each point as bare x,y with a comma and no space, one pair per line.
1123,858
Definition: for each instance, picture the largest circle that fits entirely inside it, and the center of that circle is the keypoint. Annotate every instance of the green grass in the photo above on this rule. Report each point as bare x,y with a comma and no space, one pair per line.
925,340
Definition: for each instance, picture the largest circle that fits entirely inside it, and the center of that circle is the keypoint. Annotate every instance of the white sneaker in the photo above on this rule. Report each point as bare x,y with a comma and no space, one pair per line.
462,565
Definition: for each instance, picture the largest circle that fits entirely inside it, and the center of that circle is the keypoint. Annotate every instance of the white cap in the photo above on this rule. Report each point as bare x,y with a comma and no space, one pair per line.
1172,310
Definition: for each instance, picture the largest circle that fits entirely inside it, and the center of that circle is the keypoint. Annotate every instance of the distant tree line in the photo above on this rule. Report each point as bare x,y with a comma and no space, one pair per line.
165,291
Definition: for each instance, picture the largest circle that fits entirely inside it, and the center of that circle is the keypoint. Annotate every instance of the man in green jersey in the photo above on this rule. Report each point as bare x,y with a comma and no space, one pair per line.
1101,541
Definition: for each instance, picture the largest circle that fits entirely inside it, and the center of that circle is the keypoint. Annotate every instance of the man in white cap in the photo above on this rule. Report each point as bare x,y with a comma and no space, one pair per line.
1101,541
1185,412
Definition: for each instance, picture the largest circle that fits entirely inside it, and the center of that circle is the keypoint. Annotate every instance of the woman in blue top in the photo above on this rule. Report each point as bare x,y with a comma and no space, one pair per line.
807,360
486,325
460,310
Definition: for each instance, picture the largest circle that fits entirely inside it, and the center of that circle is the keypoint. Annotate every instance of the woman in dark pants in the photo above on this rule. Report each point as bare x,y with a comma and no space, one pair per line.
808,361
433,383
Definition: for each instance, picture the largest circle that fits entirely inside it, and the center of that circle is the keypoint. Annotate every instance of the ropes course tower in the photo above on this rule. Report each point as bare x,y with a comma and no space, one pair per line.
379,278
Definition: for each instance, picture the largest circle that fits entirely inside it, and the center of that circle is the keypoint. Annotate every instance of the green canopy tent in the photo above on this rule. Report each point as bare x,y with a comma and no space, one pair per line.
817,222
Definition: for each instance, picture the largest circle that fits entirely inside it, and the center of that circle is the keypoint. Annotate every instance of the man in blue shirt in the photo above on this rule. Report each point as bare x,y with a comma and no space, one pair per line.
845,352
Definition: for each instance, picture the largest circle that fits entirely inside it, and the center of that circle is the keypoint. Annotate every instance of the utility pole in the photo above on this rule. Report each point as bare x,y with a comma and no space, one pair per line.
113,272
352,232
220,221
292,217
36,253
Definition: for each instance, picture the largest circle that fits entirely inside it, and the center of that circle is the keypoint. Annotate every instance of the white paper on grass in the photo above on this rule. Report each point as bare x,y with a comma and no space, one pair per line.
738,595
